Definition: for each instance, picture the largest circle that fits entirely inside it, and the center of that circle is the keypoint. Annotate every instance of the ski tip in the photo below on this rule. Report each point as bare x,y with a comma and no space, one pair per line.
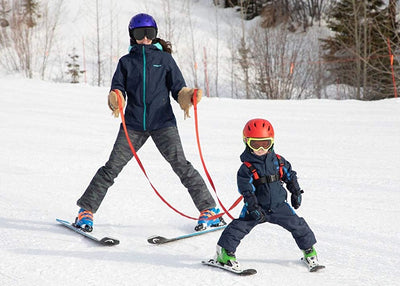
317,268
248,272
108,241
312,269
156,239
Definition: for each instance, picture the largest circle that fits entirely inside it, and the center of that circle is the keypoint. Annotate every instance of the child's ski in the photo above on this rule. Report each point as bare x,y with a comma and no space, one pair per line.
242,272
156,239
107,241
311,268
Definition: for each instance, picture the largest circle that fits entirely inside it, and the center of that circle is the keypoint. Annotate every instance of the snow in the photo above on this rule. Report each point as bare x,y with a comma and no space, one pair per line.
55,136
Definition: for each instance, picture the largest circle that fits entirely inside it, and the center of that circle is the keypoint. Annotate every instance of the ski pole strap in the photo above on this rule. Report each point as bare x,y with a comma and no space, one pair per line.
121,111
201,154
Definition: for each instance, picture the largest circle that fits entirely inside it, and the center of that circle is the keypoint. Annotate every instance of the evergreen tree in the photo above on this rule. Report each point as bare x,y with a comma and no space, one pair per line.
30,12
73,67
357,53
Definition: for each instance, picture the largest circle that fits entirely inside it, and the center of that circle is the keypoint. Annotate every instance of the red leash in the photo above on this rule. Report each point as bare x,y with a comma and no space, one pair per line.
204,165
121,111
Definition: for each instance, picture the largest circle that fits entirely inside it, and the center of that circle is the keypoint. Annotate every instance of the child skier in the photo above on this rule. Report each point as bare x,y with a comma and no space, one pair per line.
259,180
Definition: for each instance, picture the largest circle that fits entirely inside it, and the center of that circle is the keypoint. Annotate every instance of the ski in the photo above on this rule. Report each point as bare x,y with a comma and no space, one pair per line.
242,272
156,239
106,241
312,268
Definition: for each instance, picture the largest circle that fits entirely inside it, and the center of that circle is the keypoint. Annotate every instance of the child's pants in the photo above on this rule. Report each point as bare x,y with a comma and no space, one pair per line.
283,216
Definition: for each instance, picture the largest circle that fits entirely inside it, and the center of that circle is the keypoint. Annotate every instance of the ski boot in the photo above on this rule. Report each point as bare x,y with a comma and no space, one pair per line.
204,222
84,220
227,258
310,258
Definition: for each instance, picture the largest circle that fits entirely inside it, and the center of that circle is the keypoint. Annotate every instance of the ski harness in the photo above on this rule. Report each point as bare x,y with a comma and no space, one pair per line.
267,178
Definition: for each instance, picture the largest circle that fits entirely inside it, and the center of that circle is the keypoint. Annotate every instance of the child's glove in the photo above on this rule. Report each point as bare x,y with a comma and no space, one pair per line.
185,99
253,208
296,199
258,214
113,101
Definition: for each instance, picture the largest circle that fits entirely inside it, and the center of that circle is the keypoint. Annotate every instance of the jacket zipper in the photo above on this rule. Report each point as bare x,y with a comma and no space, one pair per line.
144,89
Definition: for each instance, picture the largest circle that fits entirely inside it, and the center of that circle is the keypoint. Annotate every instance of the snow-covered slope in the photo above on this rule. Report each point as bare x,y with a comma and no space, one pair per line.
55,136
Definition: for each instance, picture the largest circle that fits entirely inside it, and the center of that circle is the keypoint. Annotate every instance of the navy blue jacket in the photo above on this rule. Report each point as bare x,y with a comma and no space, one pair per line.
147,75
270,196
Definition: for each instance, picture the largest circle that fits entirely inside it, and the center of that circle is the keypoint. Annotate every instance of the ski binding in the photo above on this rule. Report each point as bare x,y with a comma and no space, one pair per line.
314,268
242,272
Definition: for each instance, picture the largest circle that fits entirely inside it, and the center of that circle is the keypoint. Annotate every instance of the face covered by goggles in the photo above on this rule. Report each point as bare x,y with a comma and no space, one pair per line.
140,33
259,143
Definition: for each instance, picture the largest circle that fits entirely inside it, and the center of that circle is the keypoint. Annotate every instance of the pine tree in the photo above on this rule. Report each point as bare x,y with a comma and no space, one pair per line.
73,67
30,12
358,50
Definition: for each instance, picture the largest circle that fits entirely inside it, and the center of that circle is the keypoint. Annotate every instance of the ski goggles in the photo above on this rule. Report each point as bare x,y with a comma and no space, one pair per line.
140,33
259,143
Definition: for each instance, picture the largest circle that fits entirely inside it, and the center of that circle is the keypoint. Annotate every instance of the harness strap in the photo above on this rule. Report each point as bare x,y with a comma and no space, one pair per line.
267,178
253,170
281,164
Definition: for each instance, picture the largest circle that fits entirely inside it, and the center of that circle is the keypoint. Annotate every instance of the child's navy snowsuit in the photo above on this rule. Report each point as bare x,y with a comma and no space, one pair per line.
271,197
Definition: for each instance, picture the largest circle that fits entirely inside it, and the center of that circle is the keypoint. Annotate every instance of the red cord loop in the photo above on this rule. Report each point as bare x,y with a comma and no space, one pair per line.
121,111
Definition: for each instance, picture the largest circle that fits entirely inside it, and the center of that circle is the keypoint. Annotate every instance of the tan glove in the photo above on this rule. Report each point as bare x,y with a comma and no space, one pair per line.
113,102
185,99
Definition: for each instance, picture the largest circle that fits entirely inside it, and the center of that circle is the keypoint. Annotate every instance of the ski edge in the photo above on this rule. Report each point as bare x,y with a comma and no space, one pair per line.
245,272
106,241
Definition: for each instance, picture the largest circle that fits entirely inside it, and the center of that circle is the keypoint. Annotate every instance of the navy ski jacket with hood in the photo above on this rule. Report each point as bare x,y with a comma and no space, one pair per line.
146,76
272,195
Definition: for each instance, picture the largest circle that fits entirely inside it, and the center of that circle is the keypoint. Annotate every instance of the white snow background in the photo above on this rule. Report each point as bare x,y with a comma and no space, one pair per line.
55,136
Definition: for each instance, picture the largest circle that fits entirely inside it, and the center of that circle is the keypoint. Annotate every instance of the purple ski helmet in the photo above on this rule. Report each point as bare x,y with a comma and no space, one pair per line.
141,20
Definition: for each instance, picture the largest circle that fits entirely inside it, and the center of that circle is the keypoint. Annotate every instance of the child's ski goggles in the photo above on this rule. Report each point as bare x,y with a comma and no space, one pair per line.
140,33
259,143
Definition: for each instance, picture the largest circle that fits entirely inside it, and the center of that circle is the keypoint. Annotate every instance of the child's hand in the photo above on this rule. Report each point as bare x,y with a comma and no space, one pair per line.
258,214
296,199
253,208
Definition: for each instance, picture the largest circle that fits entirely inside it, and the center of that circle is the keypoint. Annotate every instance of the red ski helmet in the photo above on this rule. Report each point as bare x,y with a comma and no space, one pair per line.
258,134
258,128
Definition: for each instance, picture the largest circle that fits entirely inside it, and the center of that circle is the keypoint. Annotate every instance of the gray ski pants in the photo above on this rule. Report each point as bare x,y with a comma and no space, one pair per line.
169,144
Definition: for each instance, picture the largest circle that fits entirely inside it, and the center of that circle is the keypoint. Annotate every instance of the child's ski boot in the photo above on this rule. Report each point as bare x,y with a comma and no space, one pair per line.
311,259
84,220
227,259
204,222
